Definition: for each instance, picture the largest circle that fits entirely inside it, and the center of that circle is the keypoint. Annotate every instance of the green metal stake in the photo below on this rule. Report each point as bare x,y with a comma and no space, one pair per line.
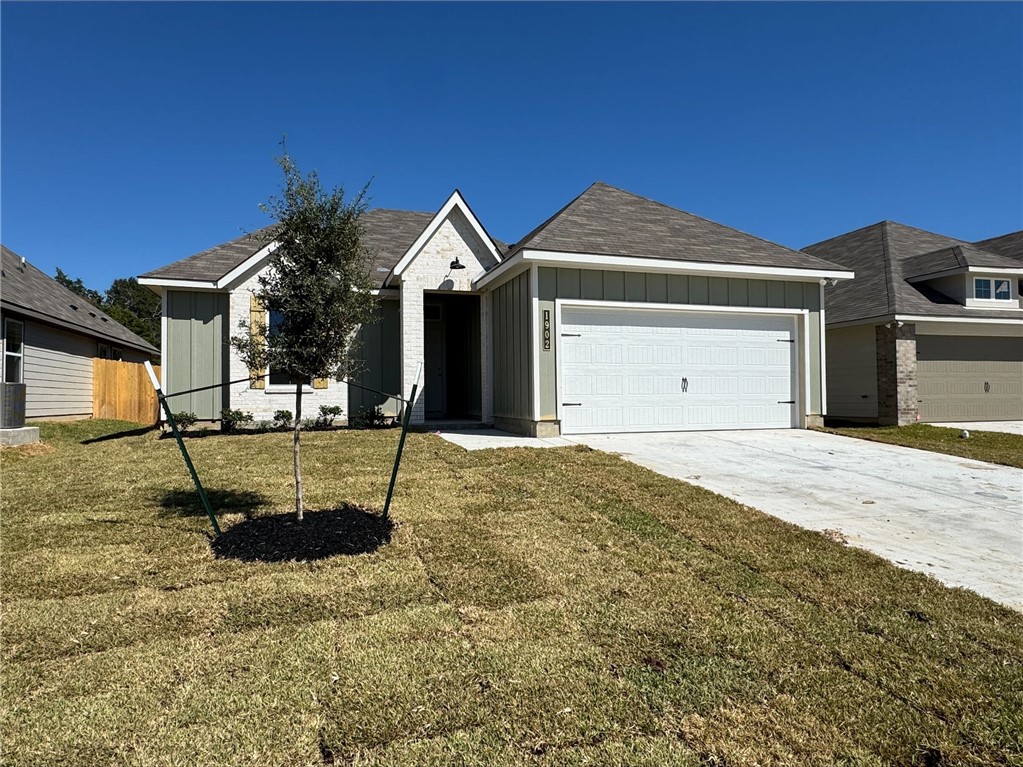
401,445
184,451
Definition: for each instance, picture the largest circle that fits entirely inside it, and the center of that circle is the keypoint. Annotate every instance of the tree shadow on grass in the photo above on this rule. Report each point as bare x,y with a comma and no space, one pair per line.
186,503
345,531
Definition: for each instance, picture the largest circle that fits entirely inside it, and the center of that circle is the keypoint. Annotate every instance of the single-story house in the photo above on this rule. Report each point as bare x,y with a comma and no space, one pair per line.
931,328
50,337
617,314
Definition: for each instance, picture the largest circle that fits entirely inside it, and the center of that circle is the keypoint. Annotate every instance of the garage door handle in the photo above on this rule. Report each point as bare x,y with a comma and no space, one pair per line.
685,385
786,402
571,404
571,335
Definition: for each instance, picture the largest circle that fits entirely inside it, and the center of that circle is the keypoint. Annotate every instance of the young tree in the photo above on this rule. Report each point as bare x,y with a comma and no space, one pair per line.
315,293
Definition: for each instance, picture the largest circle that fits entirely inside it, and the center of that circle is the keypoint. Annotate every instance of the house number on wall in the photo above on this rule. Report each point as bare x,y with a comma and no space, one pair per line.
546,330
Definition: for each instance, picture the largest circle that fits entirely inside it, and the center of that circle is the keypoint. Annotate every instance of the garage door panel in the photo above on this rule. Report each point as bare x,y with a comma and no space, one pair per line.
967,378
726,372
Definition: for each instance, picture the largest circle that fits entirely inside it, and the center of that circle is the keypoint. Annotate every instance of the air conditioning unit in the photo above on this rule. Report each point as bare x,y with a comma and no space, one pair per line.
12,405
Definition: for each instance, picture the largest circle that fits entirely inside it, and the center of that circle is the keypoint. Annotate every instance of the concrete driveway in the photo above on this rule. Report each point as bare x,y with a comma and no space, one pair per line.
956,519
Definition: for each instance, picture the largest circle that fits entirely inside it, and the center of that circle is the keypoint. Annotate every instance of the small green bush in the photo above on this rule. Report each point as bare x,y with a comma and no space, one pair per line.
185,420
325,419
283,418
368,419
230,420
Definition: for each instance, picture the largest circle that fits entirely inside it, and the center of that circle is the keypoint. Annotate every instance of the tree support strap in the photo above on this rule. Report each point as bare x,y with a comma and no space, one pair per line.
406,418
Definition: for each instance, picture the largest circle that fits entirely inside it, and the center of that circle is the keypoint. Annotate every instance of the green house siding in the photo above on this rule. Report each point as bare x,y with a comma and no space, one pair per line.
511,331
599,285
380,351
197,351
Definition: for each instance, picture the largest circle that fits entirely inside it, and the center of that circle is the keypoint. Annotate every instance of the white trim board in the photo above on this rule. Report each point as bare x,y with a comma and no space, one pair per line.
656,265
454,201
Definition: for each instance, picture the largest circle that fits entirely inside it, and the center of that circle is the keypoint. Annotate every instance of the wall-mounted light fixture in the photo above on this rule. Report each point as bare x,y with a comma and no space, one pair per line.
456,264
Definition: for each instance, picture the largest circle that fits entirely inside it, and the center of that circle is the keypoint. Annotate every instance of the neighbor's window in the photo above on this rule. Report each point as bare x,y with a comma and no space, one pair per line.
14,336
1002,291
981,288
277,377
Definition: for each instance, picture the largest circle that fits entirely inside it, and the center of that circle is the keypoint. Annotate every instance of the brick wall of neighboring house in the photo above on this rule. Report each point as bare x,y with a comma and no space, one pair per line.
896,374
431,271
263,402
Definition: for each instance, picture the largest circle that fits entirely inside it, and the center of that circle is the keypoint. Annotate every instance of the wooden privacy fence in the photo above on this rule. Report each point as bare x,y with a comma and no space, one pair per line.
122,390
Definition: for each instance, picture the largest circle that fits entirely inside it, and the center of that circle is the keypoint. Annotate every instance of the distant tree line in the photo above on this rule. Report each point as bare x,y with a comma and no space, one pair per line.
134,306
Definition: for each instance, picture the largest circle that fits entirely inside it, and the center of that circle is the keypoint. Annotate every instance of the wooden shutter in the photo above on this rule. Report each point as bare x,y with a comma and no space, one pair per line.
257,328
319,383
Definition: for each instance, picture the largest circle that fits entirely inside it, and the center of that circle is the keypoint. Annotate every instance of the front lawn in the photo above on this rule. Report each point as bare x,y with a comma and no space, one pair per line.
550,607
990,446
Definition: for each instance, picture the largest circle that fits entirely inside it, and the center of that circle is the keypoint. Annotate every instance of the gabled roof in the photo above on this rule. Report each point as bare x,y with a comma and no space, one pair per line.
605,220
884,256
1009,245
28,291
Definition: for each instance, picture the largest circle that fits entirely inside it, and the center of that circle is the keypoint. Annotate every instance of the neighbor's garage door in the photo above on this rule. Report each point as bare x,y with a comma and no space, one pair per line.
625,370
970,378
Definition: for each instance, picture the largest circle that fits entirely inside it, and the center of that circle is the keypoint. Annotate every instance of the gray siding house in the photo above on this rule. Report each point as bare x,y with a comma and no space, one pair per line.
617,314
51,336
930,330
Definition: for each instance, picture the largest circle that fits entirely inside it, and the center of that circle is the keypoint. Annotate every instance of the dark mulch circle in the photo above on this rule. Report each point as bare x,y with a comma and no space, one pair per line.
346,531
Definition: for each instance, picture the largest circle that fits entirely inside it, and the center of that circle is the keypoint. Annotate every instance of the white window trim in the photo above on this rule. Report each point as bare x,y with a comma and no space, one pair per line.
20,355
974,302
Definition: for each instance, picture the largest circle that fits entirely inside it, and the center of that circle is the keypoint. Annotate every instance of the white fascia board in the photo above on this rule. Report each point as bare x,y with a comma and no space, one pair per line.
454,201
159,282
254,260
995,271
640,264
501,273
967,320
386,293
824,355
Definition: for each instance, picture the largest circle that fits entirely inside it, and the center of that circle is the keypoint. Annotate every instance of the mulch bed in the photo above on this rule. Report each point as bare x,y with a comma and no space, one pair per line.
346,531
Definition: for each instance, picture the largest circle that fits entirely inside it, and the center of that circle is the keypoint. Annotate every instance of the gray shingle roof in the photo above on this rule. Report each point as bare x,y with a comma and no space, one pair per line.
883,256
387,234
1009,245
28,291
605,220
955,257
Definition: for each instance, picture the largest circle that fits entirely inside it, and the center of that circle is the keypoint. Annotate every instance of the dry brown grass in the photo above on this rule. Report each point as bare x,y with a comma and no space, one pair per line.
549,607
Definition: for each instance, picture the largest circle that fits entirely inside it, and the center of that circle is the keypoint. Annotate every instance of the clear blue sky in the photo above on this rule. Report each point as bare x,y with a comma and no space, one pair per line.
136,134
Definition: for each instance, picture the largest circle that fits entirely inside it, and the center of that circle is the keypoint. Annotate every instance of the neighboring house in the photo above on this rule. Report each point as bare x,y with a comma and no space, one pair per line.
930,329
1009,245
50,337
616,314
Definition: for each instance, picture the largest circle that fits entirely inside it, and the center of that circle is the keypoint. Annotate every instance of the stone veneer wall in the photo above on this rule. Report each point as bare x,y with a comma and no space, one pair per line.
897,397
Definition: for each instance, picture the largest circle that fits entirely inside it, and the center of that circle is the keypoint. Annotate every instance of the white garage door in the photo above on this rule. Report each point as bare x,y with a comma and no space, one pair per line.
625,370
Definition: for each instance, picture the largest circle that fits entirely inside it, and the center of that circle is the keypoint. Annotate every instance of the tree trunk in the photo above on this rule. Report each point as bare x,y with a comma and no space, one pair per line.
298,456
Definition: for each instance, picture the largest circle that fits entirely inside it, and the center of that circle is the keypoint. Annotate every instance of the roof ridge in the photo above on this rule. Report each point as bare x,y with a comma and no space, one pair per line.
881,223
537,230
888,273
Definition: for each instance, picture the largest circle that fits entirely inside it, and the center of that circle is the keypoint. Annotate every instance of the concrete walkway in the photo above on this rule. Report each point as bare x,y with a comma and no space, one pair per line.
958,520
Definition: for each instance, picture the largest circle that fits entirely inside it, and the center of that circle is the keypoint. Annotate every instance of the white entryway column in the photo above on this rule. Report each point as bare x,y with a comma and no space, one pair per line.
412,346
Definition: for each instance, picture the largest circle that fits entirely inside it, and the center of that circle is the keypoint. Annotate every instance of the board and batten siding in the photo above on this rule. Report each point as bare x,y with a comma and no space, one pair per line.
511,334
57,372
640,287
197,351
852,372
380,352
